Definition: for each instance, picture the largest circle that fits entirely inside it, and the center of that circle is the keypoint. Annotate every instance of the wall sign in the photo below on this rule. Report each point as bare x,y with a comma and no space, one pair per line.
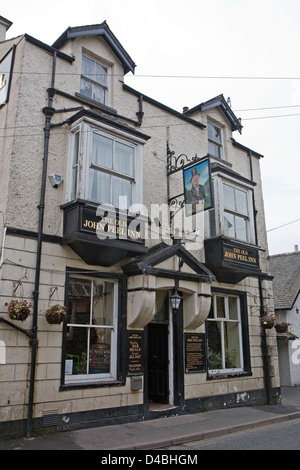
195,357
135,346
112,225
239,255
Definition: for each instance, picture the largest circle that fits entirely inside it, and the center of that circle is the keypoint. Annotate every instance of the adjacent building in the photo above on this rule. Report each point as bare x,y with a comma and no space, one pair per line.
285,268
145,223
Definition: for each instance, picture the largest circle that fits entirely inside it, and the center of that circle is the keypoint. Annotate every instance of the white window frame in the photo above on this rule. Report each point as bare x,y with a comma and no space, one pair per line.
222,321
106,87
220,145
218,187
100,377
86,127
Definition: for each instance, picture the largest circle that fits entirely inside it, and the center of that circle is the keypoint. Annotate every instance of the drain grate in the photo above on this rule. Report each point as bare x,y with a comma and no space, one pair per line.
50,418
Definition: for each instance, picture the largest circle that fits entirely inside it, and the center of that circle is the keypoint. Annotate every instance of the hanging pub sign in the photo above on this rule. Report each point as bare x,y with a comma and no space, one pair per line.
197,187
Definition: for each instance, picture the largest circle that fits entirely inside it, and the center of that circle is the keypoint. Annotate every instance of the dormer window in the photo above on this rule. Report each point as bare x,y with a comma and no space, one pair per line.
94,80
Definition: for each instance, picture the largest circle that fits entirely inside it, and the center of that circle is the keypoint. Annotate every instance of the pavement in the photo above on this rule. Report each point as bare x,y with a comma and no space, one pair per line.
164,432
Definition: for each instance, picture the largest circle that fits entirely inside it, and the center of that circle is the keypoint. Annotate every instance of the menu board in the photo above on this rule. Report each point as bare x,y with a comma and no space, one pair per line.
195,357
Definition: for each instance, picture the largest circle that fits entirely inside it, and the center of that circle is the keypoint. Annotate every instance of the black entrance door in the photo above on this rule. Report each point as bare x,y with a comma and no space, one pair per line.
158,373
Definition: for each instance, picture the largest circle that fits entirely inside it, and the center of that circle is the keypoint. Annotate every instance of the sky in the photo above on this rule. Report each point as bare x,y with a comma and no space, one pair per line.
189,51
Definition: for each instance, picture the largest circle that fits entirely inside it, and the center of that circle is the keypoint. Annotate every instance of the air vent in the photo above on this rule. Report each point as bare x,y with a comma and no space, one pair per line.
50,418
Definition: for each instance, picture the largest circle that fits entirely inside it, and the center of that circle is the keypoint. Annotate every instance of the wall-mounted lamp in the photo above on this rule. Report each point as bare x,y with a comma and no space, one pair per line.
175,300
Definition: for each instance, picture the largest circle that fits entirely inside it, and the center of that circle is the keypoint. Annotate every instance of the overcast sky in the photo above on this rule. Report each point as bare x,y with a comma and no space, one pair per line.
190,51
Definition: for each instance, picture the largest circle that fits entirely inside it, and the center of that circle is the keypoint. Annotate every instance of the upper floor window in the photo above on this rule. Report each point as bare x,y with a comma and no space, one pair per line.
105,168
233,214
215,145
94,80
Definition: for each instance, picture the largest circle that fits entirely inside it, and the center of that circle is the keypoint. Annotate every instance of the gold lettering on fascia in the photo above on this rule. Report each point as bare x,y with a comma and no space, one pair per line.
239,254
110,225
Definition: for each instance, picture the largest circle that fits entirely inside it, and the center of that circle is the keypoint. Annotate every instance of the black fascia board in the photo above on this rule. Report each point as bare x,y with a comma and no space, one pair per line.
103,31
163,106
48,48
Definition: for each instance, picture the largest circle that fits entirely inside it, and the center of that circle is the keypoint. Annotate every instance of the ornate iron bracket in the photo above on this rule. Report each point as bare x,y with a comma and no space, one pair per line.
175,164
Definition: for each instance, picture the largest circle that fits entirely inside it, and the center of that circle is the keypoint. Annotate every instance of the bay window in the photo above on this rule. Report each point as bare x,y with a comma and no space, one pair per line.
105,166
233,215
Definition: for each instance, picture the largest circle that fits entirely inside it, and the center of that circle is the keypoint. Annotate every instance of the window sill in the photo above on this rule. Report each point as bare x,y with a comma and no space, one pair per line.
77,385
99,105
228,375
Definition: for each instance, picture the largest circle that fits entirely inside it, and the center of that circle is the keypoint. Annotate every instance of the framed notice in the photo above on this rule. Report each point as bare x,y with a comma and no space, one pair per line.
135,346
195,352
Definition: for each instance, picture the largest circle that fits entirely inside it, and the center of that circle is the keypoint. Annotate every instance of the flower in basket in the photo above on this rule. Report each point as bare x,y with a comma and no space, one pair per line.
268,321
18,309
55,314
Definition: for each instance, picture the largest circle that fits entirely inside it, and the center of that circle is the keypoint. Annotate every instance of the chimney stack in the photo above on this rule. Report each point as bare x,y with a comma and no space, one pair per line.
4,26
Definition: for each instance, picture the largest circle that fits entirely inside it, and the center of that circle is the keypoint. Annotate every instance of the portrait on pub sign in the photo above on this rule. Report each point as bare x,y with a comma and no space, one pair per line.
197,187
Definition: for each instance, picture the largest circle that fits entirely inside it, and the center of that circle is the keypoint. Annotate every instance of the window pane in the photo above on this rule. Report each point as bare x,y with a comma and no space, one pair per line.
101,74
229,225
214,133
123,161
121,193
103,306
232,345
233,308
98,93
241,228
88,67
214,345
241,201
214,149
102,151
79,296
229,201
86,87
100,347
221,307
76,351
99,186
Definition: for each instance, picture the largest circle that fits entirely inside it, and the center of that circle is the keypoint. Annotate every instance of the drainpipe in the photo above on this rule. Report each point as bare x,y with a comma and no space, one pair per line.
264,345
48,111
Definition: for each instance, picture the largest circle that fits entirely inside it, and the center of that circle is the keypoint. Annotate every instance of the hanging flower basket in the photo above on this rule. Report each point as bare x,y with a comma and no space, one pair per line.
281,327
18,309
268,322
55,314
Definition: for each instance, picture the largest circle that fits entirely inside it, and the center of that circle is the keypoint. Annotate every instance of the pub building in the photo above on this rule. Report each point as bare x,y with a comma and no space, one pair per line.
144,225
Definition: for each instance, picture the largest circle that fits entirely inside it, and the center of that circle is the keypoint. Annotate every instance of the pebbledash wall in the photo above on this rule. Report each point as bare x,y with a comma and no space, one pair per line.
45,84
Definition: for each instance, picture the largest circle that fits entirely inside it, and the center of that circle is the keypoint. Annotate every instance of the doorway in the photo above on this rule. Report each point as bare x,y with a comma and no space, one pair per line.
159,359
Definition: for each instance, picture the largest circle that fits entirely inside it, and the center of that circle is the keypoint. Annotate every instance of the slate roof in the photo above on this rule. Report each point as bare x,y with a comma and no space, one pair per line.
286,283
